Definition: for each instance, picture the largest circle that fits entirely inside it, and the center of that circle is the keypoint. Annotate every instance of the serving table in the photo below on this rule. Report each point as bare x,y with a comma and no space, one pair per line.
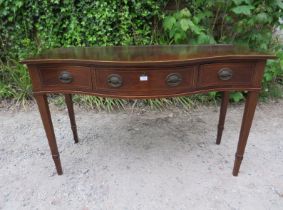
139,72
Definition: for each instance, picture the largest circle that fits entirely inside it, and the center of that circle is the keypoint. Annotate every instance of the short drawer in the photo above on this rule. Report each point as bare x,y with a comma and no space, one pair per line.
65,77
138,81
225,74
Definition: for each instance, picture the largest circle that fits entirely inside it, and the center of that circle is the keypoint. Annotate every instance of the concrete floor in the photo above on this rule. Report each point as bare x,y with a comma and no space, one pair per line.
142,160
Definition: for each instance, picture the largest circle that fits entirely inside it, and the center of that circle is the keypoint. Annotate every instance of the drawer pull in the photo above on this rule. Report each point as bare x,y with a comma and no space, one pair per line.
225,74
173,79
65,77
114,80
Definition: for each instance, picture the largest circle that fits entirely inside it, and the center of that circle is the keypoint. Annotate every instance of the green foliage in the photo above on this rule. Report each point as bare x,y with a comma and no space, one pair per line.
243,10
183,28
273,77
14,82
236,96
92,102
27,27
249,22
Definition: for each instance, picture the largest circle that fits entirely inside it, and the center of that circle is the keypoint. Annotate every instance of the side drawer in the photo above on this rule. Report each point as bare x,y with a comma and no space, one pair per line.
225,74
65,77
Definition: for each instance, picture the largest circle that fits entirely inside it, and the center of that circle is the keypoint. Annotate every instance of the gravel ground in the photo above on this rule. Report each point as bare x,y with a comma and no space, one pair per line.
141,159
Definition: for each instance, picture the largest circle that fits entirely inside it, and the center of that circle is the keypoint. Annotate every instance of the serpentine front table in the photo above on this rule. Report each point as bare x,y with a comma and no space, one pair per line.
134,72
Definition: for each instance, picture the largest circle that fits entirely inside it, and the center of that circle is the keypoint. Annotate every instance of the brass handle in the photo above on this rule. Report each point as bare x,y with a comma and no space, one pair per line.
225,74
65,77
173,79
114,80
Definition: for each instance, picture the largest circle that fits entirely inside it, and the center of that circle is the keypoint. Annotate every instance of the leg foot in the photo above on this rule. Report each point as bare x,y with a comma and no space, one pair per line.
237,164
56,159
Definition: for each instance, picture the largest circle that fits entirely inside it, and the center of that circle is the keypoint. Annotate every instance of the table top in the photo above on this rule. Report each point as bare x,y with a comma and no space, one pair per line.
146,54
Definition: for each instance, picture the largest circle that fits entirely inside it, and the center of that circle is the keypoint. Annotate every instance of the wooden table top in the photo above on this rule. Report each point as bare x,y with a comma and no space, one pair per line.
146,54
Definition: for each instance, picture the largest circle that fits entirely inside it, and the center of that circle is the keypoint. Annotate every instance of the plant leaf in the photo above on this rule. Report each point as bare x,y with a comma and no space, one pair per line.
169,22
185,12
179,37
185,24
262,17
268,76
236,96
238,2
244,9
280,3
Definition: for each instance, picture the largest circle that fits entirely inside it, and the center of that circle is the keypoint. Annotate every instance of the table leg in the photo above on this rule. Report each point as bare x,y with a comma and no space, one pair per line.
69,103
249,111
43,107
223,110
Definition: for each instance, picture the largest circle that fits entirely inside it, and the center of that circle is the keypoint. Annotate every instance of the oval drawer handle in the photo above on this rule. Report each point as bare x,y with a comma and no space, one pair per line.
65,77
173,79
114,80
225,73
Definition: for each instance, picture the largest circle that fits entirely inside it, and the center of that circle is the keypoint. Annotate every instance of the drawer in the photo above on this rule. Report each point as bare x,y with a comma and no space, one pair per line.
225,74
65,77
138,81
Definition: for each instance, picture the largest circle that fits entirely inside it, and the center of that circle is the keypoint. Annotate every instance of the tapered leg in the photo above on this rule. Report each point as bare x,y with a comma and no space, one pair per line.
48,126
69,103
223,110
245,129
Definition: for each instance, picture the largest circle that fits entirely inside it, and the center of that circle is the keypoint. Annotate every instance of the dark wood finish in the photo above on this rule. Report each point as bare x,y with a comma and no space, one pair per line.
69,103
223,111
147,72
50,77
143,81
48,126
242,74
245,129
155,87
146,55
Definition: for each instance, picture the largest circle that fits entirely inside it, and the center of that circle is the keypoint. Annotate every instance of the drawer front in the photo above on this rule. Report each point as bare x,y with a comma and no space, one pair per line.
139,81
65,77
225,74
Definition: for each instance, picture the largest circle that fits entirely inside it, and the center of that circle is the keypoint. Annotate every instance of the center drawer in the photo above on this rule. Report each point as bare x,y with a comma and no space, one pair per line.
134,80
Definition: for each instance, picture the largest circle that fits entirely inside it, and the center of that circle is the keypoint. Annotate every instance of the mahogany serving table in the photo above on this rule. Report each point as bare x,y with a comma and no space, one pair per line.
147,72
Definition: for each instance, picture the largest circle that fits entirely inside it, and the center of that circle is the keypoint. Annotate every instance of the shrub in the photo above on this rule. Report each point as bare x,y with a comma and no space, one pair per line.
27,27
249,22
